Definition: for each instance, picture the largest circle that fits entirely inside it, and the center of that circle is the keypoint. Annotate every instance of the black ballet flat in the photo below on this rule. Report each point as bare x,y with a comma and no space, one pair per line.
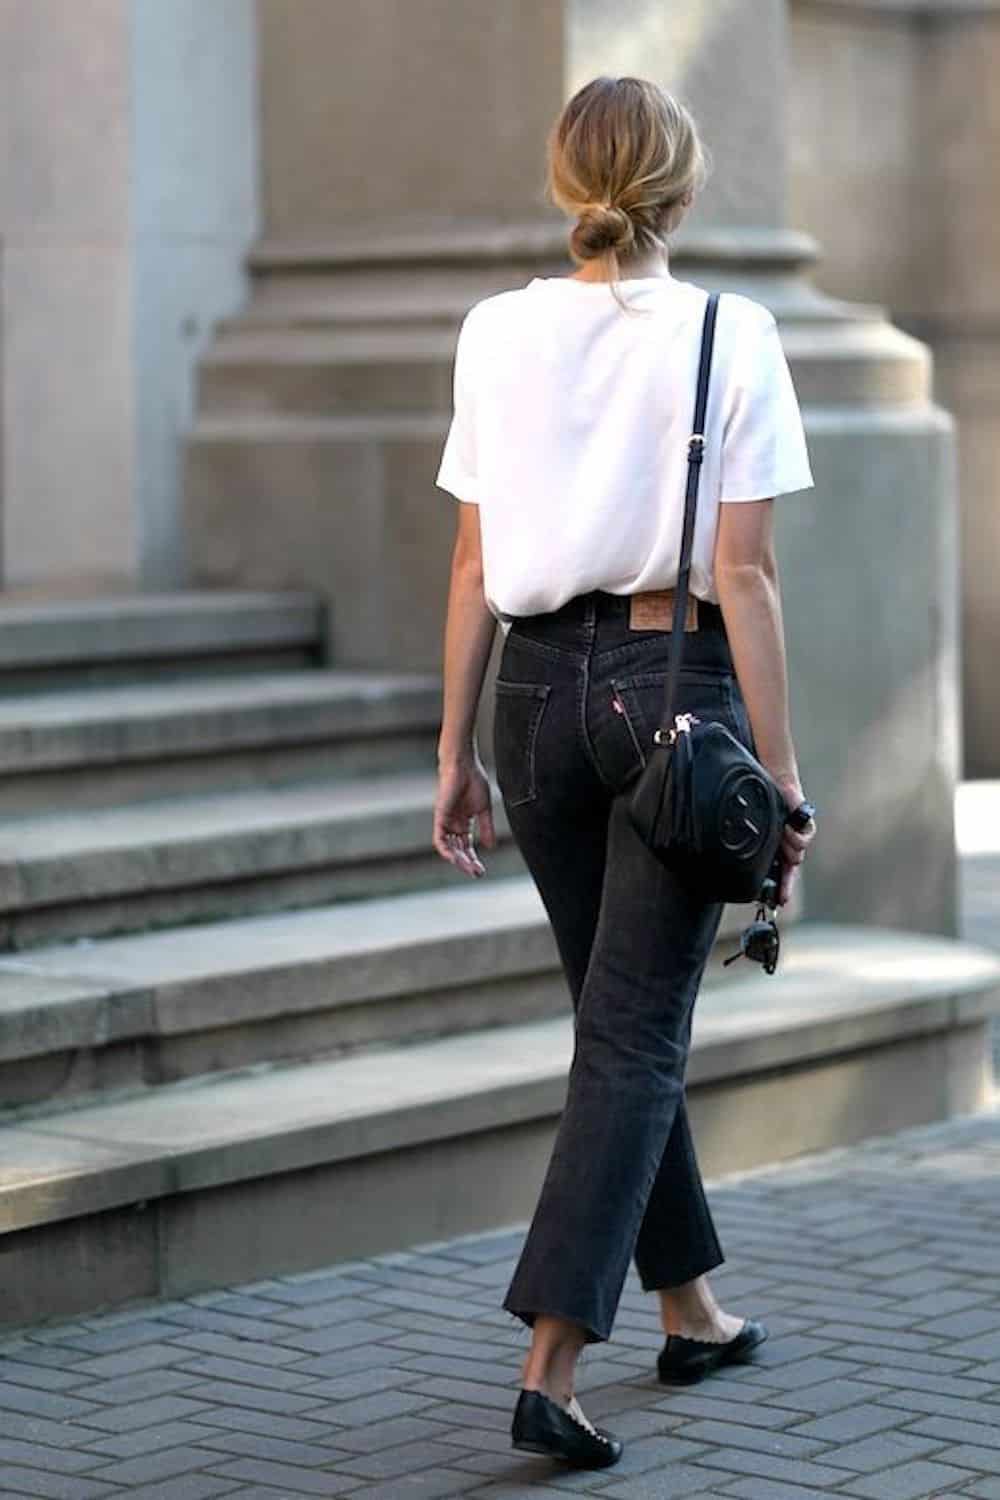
541,1425
683,1361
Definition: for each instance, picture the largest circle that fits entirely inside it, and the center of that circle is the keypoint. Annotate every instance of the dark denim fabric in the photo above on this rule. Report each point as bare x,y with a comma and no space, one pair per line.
578,695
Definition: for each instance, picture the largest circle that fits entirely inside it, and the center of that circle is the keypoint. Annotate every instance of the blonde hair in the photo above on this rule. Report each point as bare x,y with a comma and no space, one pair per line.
621,155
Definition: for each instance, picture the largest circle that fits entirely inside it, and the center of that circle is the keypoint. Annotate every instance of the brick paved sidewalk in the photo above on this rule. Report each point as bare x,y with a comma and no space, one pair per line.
877,1270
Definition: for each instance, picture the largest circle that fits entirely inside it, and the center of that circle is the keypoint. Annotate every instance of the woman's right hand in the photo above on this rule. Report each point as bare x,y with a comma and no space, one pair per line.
461,805
793,843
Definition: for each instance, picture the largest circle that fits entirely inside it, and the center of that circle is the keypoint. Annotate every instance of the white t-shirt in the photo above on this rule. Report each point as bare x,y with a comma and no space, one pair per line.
570,428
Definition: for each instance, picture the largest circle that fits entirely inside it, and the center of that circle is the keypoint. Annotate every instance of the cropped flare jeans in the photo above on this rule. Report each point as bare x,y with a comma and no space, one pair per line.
577,697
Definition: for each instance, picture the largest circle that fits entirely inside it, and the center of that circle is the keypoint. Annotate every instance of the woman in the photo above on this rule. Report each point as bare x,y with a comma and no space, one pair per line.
567,452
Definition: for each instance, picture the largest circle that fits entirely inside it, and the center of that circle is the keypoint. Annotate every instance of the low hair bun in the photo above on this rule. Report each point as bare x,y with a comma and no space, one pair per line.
601,227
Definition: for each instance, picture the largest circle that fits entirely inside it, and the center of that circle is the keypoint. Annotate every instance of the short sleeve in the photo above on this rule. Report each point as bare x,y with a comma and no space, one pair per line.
764,449
457,470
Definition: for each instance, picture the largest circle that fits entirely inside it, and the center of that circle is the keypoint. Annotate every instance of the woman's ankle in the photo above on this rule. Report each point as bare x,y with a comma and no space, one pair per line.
554,1378
550,1364
691,1305
558,1391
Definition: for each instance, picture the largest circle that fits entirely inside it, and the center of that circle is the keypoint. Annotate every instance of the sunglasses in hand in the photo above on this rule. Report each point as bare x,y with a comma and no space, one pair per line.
760,941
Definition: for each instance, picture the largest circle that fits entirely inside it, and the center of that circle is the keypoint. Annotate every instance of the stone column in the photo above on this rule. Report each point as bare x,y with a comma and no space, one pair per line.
385,223
895,167
127,200
403,112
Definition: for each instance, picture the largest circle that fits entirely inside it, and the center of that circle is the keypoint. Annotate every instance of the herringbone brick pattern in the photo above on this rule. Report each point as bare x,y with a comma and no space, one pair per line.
876,1268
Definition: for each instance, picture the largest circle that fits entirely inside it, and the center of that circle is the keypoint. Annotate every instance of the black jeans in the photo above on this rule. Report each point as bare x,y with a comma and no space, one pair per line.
578,695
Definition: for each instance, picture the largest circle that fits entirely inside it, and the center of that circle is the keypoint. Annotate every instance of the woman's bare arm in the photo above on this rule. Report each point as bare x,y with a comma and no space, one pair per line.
746,577
470,626
468,639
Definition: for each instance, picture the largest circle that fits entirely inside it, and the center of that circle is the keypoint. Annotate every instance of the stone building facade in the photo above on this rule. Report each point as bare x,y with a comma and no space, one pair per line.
233,266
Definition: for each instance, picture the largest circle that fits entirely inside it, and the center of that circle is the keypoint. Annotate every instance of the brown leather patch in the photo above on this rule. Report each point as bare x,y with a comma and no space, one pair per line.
654,610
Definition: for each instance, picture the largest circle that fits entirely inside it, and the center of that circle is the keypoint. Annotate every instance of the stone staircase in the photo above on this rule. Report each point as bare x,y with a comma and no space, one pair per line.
249,1022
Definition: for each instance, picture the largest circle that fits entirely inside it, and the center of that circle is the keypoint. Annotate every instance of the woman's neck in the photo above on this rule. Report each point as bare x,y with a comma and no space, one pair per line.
627,270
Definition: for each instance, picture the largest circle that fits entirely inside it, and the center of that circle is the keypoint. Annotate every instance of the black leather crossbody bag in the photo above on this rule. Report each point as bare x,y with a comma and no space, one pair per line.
702,802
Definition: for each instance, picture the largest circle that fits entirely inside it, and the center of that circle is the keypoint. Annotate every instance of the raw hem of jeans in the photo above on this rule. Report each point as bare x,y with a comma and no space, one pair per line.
528,1315
659,1285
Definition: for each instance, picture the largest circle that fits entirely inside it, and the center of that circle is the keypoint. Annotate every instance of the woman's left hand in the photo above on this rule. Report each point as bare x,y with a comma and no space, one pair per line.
463,797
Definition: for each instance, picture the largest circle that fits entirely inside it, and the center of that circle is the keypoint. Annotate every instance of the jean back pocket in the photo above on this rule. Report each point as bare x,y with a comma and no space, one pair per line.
518,711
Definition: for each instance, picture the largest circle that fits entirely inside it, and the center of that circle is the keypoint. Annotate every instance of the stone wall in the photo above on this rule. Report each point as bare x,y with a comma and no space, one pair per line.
66,290
194,215
127,201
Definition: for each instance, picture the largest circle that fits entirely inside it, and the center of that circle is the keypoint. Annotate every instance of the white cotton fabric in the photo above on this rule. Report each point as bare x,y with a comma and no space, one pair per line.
570,425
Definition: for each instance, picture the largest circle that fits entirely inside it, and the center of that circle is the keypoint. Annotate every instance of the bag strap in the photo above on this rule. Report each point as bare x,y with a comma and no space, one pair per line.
696,446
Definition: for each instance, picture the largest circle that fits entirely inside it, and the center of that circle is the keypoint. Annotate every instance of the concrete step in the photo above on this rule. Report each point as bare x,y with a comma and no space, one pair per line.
82,1018
381,424
315,371
107,745
283,1167
362,308
46,643
125,1013
177,860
